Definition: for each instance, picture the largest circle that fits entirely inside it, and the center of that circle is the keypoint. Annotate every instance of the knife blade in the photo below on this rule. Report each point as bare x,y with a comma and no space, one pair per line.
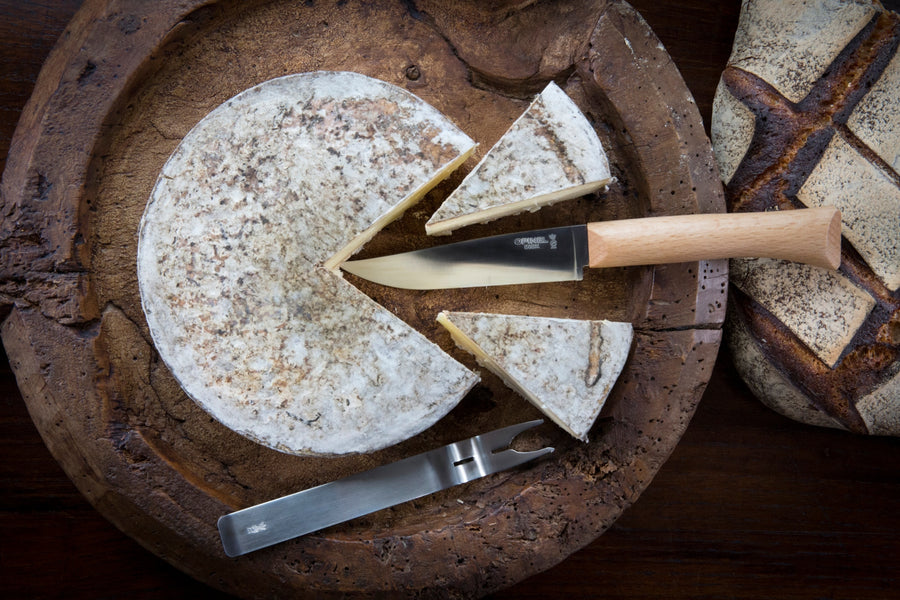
809,235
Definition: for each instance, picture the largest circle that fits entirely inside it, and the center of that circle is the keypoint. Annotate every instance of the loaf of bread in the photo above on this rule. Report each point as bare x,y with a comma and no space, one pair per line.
807,113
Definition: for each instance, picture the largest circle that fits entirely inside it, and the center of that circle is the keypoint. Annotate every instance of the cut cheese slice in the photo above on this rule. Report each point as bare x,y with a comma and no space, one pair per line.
565,367
259,200
550,153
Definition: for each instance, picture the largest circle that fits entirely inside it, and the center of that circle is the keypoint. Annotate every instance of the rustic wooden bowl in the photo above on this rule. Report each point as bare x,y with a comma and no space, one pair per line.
114,99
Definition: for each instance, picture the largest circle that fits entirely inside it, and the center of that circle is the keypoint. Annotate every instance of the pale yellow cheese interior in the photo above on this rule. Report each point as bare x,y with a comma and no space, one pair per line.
395,213
528,204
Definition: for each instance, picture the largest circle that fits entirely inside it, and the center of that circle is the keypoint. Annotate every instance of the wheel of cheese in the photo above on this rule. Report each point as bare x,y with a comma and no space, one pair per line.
549,154
564,367
807,113
238,253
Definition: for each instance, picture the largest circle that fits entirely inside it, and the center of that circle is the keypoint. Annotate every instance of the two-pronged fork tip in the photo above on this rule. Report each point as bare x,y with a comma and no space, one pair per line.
501,438
509,458
497,440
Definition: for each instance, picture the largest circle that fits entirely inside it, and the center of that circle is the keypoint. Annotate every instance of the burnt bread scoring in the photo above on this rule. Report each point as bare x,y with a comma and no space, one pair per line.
807,113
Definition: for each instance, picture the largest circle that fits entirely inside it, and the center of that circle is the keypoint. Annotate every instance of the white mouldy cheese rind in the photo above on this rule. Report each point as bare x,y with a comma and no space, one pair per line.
549,154
564,367
238,247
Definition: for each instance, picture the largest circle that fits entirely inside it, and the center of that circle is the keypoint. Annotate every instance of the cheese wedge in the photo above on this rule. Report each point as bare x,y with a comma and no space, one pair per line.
237,257
564,367
550,153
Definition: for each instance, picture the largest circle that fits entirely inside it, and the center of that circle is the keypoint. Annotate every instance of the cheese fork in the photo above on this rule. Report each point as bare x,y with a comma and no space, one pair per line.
331,503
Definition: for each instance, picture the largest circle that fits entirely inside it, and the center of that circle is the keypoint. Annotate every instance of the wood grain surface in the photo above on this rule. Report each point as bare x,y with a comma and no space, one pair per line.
749,505
115,97
810,236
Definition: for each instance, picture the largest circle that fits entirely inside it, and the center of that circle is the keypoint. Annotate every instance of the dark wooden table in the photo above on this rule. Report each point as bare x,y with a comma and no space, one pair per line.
750,505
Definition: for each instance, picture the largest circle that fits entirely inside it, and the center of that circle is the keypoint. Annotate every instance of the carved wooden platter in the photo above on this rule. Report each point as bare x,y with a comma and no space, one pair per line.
126,83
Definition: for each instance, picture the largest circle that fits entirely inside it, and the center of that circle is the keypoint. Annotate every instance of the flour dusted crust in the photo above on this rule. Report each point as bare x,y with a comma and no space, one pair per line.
821,307
565,367
236,257
869,200
550,153
806,114
790,44
733,132
876,118
767,382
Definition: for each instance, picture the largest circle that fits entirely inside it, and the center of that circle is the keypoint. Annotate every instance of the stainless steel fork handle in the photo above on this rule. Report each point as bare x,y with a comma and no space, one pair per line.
363,493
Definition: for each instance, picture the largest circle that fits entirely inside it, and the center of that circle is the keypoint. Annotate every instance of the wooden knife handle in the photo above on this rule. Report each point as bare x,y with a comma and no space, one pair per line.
810,235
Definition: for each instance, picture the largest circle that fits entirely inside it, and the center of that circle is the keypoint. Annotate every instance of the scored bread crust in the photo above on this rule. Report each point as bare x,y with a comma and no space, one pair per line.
564,367
806,114
237,254
549,154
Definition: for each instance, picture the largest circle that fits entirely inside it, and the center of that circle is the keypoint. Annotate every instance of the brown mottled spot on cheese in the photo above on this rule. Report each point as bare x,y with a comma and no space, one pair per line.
595,354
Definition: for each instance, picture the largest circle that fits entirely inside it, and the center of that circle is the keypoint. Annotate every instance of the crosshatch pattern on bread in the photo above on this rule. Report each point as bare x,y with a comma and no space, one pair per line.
807,113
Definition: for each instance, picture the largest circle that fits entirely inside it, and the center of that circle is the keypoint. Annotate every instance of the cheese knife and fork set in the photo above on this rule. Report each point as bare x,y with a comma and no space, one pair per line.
809,235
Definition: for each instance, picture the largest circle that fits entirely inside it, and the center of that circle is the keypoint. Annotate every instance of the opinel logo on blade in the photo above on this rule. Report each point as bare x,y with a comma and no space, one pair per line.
536,242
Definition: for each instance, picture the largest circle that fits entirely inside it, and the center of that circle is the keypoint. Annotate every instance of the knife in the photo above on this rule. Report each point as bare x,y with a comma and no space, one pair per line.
809,235
362,493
